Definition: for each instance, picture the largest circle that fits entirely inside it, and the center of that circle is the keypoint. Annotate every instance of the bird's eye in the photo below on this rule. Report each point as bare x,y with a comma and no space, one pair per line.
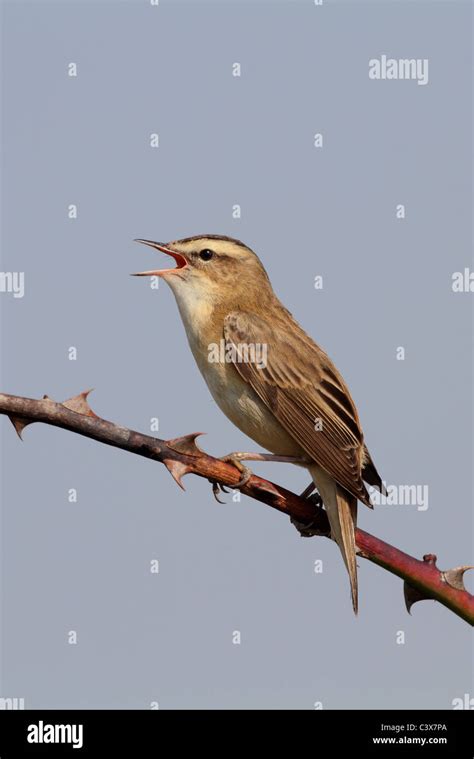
206,254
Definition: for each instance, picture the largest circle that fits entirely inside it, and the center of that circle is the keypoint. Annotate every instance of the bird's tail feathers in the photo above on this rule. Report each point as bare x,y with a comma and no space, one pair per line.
345,525
341,508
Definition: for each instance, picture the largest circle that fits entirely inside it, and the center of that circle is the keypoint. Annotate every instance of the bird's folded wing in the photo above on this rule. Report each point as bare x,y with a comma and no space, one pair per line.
298,383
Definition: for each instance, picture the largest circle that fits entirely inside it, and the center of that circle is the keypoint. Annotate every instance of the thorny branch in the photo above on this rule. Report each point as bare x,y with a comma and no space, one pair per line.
422,579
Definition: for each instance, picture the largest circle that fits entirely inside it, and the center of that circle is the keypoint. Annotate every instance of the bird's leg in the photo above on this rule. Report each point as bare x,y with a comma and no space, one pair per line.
307,491
237,457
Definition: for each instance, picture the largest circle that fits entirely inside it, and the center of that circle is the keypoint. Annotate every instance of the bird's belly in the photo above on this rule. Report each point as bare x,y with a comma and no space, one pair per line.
246,410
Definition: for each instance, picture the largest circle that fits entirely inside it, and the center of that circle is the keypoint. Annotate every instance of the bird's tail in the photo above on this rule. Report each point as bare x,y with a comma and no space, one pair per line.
341,509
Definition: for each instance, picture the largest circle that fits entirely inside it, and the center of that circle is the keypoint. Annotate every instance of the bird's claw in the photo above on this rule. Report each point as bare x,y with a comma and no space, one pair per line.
216,489
246,475
233,458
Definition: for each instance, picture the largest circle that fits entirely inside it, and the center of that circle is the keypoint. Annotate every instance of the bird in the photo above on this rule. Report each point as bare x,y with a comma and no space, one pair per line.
292,401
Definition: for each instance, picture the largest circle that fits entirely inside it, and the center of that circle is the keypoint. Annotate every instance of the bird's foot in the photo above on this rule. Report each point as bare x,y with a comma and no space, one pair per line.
217,488
232,458
237,457
309,529
236,460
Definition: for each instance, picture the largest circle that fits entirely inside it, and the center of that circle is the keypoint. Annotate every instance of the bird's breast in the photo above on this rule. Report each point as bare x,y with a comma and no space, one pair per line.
236,398
239,402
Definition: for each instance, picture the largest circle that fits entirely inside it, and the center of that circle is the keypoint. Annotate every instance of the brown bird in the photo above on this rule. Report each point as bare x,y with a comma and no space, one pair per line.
269,377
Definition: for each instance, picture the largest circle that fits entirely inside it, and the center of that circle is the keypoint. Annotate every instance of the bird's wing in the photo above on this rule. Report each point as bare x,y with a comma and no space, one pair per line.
299,384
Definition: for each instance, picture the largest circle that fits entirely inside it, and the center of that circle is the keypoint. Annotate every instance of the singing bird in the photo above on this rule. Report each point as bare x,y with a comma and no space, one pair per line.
294,403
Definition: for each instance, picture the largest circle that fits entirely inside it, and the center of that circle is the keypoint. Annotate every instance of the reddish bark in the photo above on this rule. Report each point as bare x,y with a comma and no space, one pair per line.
422,579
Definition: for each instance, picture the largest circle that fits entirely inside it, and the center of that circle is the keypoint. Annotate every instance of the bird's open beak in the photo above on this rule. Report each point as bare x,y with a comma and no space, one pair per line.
180,260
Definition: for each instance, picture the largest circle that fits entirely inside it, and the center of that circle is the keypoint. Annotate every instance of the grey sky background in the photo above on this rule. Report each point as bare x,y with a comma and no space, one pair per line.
224,140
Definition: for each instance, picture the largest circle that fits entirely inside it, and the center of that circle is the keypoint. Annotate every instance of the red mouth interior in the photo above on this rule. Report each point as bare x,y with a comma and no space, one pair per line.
181,262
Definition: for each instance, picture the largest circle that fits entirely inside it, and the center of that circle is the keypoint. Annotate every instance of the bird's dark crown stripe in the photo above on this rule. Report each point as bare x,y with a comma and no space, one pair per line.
214,237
